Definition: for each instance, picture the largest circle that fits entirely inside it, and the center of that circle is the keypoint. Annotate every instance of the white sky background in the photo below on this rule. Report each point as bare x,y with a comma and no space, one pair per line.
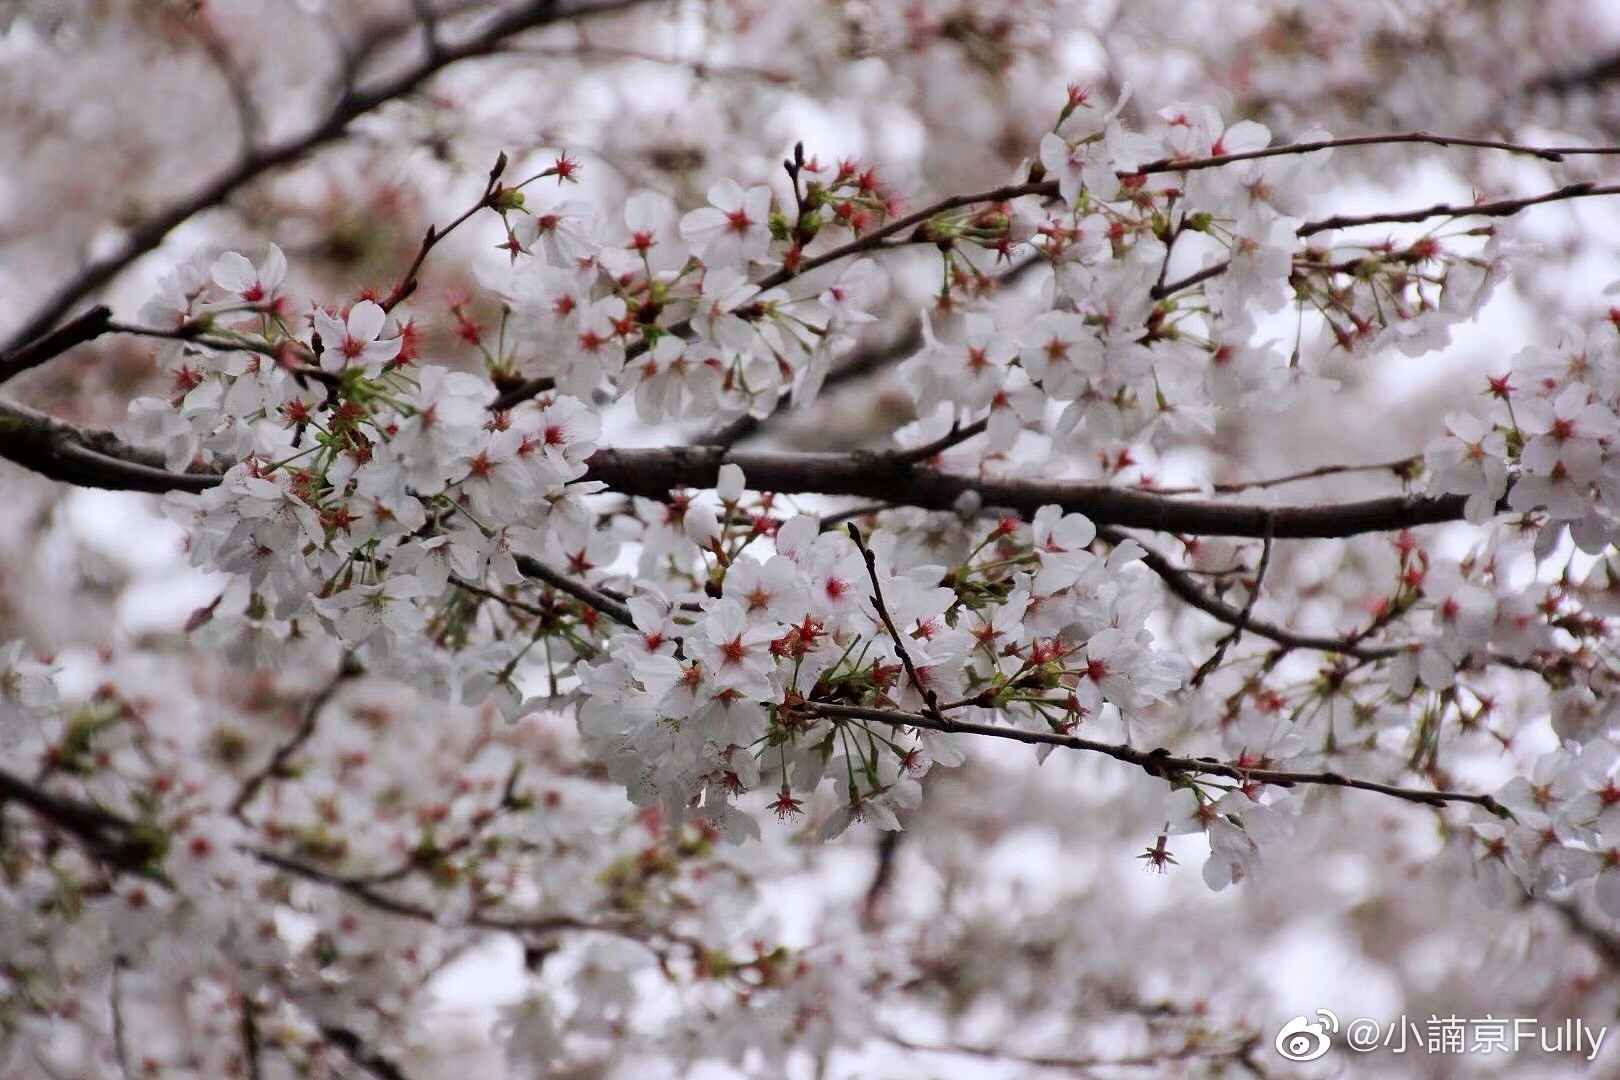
1312,966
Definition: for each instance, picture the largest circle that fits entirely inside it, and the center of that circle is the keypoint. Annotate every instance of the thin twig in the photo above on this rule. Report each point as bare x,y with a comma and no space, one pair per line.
1214,270
954,437
1545,153
586,595
120,1033
1158,762
276,767
930,699
429,20
1084,1065
702,69
250,1039
512,602
1241,623
863,362
1501,208
1181,585
832,521
101,831
248,119
886,235
408,281
1401,468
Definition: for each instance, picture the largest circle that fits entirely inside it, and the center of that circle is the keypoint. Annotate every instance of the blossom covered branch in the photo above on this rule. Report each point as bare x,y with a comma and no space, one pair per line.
488,649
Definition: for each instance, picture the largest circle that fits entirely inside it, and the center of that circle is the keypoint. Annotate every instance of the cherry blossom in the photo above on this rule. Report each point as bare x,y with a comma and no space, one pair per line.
355,339
763,591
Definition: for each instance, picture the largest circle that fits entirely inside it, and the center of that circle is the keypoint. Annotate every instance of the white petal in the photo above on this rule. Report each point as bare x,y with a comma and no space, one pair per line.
366,321
233,273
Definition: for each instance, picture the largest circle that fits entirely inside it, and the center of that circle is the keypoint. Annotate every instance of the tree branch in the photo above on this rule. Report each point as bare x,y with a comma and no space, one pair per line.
408,281
885,236
100,460
276,767
86,327
86,457
121,842
1181,584
930,699
1545,153
249,122
1502,208
250,1039
1405,468
1158,762
356,1050
1194,1049
888,477
864,361
1592,77
128,846
1240,624
586,595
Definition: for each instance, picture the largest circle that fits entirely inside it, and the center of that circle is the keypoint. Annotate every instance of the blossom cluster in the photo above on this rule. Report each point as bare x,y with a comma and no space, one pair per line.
1545,446
1542,447
404,509
755,676
325,849
467,691
732,653
1154,316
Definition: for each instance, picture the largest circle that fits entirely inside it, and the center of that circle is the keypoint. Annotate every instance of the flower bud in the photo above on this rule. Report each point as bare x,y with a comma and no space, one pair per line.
701,526
730,484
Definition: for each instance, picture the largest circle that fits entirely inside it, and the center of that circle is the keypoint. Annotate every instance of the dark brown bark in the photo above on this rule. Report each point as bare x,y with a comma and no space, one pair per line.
99,459
890,478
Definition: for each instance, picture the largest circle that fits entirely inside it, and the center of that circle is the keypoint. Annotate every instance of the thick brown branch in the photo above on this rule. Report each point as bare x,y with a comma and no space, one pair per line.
98,459
888,477
87,458
86,327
